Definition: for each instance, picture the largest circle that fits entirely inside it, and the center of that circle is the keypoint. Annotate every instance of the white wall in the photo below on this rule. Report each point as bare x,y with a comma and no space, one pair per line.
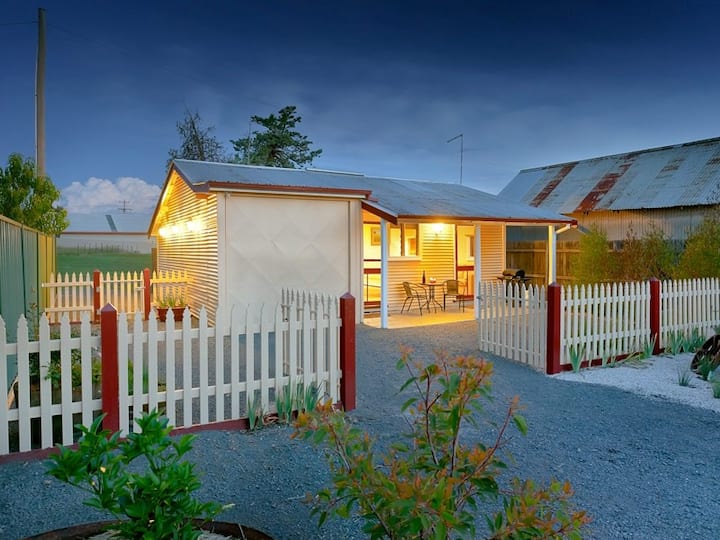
270,243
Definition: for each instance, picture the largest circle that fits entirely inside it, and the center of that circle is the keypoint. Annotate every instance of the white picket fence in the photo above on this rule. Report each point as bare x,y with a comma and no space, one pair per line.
71,294
689,305
197,373
598,321
74,294
607,319
513,321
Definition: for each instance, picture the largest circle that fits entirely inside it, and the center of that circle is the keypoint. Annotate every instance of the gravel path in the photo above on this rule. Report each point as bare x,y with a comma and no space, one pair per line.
644,467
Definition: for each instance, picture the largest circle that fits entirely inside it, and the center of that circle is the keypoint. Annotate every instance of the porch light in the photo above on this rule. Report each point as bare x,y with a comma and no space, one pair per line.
437,228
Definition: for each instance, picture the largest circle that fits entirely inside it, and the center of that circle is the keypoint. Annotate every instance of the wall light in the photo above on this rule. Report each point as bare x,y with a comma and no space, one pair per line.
193,226
437,228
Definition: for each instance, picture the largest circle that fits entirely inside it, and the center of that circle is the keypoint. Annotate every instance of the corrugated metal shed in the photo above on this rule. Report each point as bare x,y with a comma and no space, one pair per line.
671,176
399,199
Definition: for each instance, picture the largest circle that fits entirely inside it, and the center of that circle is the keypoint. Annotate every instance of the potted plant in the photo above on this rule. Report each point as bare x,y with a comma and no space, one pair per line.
171,302
142,481
429,481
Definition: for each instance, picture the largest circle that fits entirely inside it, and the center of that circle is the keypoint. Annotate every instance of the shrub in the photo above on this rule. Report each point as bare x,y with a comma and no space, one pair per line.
157,502
640,259
429,481
595,262
701,257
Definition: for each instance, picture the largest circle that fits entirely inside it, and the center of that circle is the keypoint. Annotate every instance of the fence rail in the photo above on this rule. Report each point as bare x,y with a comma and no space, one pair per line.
196,373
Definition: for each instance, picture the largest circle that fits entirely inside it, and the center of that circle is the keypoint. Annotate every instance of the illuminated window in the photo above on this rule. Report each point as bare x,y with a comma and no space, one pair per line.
403,240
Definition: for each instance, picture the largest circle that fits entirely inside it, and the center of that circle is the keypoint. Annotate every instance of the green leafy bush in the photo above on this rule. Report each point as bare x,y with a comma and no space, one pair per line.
152,503
701,257
429,483
651,255
595,262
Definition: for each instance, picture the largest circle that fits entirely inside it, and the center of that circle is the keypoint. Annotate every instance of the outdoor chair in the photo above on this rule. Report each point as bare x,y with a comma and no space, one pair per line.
453,288
413,293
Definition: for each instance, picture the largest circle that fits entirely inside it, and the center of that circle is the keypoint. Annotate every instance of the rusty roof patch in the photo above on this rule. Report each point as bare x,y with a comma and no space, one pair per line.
552,184
606,183
685,174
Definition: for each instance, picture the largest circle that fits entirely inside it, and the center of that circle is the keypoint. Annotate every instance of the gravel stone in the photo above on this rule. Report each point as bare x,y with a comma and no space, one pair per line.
640,455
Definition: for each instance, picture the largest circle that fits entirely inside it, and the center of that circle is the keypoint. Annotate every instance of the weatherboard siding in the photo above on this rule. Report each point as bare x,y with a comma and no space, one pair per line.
195,252
675,223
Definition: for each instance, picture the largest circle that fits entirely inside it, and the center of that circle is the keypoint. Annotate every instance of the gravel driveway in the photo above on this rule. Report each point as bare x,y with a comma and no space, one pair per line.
644,468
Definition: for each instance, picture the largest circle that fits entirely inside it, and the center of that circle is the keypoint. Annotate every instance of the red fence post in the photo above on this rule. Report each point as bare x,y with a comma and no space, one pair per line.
96,296
553,329
347,352
110,384
146,292
655,304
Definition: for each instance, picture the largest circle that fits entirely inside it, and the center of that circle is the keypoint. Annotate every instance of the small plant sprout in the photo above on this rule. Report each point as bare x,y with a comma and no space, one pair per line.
695,341
716,388
576,353
684,376
608,358
648,347
284,403
255,413
428,484
705,367
674,342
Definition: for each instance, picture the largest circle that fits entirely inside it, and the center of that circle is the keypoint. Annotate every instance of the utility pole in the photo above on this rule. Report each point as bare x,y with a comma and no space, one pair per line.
461,152
40,97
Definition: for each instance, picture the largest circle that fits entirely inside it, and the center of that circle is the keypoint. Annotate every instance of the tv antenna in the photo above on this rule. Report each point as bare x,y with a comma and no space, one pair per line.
461,152
124,208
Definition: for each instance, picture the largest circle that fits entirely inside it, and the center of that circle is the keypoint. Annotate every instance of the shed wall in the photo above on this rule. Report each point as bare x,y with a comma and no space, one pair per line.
674,222
271,242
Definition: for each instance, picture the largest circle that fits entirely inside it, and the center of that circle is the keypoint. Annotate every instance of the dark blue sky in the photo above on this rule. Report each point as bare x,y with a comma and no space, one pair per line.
381,86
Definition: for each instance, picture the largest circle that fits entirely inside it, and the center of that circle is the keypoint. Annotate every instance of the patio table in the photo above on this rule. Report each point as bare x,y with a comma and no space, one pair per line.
431,300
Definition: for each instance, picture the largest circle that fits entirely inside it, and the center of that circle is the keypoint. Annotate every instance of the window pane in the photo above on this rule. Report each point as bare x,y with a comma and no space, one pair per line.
395,242
411,236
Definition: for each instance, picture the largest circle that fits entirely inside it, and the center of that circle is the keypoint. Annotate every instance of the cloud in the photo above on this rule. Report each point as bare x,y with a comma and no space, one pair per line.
101,195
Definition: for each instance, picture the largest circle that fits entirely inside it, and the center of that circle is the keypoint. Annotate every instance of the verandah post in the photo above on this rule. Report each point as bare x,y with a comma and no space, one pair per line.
96,295
655,303
110,384
553,329
146,292
347,352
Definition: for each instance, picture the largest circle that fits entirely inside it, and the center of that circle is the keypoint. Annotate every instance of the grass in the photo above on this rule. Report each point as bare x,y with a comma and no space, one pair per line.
82,260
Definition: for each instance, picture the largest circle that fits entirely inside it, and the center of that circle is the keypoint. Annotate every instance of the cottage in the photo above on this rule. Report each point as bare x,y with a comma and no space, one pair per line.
670,188
244,232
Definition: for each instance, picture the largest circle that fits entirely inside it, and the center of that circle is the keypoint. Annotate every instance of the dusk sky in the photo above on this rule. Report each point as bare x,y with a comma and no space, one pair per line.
380,85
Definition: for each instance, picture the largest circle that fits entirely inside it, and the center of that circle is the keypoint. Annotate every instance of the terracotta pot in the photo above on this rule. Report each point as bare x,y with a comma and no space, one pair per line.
177,313
88,530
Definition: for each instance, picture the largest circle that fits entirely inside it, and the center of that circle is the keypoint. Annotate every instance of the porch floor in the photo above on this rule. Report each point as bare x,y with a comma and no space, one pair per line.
413,318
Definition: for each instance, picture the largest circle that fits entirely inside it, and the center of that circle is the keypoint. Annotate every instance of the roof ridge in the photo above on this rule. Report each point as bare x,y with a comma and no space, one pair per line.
621,154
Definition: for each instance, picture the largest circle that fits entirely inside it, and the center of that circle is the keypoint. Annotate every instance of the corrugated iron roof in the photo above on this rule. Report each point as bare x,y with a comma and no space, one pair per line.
685,174
408,199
